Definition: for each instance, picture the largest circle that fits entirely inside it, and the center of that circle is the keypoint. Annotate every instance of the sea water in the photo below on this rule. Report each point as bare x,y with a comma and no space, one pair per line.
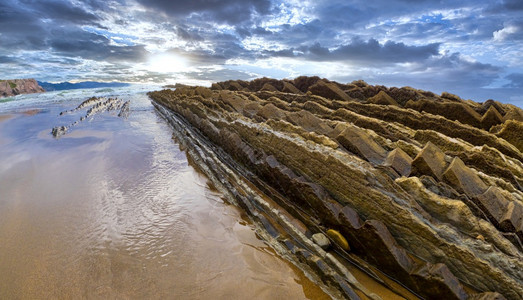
114,210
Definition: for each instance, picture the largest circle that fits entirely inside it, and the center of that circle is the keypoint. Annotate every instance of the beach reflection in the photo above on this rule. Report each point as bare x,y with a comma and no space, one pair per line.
113,210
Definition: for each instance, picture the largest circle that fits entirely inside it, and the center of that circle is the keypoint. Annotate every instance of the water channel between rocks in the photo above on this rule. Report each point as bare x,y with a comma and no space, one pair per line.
113,209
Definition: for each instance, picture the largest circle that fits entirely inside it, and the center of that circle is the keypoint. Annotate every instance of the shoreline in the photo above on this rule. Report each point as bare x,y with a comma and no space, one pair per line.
330,164
5,117
272,221
116,204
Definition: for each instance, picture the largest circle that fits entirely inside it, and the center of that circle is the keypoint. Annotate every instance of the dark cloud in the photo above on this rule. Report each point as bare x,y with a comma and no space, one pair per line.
188,34
25,25
400,42
370,51
249,31
56,27
302,34
373,51
7,60
20,28
218,55
279,53
224,46
74,43
60,11
355,14
226,11
513,4
505,6
516,80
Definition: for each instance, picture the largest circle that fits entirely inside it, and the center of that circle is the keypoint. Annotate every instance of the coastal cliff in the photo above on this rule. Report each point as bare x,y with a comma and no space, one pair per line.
405,184
15,87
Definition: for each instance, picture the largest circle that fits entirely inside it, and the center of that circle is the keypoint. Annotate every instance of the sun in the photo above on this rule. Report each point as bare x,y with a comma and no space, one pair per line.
166,63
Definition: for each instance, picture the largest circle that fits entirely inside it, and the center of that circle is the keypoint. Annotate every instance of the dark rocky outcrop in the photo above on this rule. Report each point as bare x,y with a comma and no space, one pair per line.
125,110
94,105
405,184
15,87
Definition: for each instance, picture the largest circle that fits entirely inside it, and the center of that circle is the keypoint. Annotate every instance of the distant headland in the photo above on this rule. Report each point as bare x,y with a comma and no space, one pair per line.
15,87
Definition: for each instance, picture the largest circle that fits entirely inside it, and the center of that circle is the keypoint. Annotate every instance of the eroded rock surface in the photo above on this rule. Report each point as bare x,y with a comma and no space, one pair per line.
423,188
19,86
94,105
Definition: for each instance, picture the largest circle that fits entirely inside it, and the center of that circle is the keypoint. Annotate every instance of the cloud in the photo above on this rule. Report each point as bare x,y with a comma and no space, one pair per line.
362,52
79,43
372,51
227,11
505,6
510,31
6,60
60,11
211,75
516,80
188,34
515,5
57,28
450,45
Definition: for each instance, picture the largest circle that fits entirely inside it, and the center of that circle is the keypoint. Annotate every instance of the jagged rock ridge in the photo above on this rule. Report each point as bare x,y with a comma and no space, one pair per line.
425,188
15,87
94,105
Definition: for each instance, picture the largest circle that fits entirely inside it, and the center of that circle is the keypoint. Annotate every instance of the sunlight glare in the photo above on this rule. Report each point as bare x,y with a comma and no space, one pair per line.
166,63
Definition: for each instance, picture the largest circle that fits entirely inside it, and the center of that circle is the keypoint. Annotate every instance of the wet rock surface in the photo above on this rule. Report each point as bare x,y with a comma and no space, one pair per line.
94,105
401,181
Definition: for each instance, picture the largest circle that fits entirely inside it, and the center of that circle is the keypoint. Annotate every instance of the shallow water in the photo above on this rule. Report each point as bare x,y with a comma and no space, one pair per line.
113,210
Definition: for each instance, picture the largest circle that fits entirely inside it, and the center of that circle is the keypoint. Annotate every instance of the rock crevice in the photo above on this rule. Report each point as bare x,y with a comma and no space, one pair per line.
409,185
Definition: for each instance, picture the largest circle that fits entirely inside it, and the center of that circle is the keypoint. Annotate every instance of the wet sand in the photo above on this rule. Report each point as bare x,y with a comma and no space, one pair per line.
115,211
5,117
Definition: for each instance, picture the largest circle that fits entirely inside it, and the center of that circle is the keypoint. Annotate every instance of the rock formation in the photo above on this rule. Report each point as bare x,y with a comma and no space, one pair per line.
406,184
15,87
94,105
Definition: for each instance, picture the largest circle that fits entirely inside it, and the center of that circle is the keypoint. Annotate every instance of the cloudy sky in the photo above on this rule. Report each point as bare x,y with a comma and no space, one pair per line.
470,48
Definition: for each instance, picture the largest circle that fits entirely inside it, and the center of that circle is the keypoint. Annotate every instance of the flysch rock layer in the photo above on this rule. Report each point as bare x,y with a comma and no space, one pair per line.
94,105
15,87
423,188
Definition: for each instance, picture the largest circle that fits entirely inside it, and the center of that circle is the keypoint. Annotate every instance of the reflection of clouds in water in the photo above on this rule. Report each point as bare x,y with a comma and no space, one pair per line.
4,140
88,133
12,159
77,134
115,205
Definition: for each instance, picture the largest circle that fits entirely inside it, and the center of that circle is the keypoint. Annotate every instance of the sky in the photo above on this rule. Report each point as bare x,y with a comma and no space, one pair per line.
469,48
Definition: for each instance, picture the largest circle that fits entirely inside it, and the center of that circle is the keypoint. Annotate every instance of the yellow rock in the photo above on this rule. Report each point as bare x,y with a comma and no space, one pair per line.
338,239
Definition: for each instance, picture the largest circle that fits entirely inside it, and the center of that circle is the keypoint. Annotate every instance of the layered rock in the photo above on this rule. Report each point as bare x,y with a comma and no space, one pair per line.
429,197
94,105
15,87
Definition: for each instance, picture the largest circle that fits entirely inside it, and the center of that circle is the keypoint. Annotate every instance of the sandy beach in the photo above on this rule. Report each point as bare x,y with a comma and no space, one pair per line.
113,209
